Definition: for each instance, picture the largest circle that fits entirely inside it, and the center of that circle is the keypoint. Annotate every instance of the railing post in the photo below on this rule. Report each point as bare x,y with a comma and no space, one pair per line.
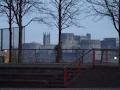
106,55
78,68
66,77
102,52
35,60
82,56
93,57
82,60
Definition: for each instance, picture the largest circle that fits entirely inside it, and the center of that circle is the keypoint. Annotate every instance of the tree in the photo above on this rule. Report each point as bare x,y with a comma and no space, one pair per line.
108,8
10,29
64,14
5,8
20,8
15,10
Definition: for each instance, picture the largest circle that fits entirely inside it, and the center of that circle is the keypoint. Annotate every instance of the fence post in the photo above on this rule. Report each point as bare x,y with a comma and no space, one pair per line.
106,55
82,57
66,77
78,68
35,57
93,57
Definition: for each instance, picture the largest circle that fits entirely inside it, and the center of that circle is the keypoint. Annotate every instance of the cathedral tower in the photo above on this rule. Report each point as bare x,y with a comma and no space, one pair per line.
46,39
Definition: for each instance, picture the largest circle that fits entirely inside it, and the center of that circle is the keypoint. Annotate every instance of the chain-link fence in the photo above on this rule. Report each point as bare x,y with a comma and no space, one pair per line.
84,56
4,37
4,41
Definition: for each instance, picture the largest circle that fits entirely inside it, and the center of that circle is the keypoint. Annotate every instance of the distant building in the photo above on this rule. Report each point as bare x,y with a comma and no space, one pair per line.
79,39
71,41
89,44
37,53
67,40
4,37
32,45
28,55
47,53
46,39
109,43
87,37
46,42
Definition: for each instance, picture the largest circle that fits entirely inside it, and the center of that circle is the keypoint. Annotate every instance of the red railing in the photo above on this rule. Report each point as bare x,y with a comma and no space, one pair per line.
104,56
74,58
85,56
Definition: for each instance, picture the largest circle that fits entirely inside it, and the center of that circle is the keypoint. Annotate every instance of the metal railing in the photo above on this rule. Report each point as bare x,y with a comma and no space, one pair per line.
70,57
91,57
85,56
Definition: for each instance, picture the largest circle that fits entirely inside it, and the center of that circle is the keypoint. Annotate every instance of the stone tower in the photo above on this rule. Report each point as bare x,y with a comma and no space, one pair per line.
46,39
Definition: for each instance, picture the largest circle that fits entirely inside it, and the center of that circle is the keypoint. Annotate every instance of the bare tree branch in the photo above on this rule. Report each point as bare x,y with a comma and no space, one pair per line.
64,14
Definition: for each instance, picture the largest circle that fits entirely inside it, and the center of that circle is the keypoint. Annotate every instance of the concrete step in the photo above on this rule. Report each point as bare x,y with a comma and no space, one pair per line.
99,77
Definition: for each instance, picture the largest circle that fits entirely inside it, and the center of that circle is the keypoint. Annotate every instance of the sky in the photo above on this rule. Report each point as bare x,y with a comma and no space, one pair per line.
98,30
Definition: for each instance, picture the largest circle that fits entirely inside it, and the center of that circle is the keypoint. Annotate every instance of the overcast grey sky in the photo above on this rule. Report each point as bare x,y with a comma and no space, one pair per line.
99,30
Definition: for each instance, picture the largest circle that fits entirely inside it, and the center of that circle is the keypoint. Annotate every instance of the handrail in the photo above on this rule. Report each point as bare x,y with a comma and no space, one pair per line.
84,54
97,49
80,53
74,62
66,72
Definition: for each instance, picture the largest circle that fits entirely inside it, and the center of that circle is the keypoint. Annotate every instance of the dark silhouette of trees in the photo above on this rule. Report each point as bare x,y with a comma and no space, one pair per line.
16,11
109,8
10,29
20,8
63,14
5,8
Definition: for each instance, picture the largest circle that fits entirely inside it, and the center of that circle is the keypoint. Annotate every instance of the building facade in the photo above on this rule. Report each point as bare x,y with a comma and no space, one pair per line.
109,43
73,46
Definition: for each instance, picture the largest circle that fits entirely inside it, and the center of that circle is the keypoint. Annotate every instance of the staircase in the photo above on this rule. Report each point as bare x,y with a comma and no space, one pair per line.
32,76
59,76
99,76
